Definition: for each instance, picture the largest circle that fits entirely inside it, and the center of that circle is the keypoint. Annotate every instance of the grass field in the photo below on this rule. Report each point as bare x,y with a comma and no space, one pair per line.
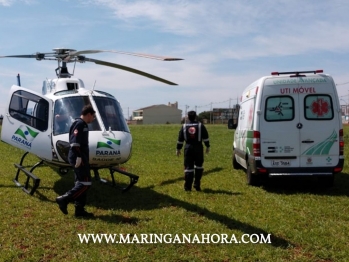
306,221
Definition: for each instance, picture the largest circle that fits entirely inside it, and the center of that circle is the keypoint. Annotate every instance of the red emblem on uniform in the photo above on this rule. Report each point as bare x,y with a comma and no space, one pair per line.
75,132
192,130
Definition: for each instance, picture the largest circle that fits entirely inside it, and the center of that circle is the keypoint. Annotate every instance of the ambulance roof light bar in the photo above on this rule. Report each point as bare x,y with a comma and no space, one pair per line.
297,73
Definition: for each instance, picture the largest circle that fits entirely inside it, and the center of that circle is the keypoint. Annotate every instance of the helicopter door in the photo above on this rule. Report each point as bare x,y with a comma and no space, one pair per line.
26,123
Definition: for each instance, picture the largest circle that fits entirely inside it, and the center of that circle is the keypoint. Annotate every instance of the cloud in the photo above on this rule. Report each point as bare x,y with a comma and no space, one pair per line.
11,2
225,18
6,2
245,29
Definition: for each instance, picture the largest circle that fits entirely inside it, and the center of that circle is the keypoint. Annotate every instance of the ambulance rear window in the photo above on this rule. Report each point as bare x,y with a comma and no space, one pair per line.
279,108
318,107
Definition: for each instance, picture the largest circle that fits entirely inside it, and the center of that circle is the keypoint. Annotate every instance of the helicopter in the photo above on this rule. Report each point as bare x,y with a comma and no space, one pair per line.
39,123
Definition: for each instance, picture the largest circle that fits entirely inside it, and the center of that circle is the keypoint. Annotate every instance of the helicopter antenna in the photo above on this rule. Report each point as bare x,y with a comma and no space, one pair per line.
74,67
49,83
94,86
19,80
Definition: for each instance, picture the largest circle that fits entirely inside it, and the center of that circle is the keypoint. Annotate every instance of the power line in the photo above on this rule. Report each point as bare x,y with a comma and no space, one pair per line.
342,84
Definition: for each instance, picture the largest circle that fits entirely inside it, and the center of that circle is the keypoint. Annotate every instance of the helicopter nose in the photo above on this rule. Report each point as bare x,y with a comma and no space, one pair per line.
110,149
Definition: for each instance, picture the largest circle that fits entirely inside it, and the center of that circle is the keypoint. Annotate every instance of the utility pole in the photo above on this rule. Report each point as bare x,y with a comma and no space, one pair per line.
211,114
185,116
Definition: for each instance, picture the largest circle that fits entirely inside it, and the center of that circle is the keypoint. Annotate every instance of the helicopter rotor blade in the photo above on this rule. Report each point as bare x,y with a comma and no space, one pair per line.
37,56
129,69
19,56
162,58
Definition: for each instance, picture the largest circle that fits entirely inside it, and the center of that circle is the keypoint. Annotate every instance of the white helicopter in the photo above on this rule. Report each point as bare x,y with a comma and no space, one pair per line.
39,123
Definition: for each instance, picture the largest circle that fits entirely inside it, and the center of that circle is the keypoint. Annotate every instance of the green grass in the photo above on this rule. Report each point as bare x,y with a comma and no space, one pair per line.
307,222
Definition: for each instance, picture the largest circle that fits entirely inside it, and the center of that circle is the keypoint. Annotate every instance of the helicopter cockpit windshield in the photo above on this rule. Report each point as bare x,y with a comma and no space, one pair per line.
66,110
111,114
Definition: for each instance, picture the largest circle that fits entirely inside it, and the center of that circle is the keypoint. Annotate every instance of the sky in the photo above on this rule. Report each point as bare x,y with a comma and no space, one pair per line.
225,44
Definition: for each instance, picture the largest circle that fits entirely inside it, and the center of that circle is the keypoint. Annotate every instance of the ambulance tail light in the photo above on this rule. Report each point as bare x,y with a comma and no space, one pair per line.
262,170
341,143
256,143
337,169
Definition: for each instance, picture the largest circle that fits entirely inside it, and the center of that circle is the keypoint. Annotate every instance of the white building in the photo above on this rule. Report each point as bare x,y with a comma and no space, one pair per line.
158,114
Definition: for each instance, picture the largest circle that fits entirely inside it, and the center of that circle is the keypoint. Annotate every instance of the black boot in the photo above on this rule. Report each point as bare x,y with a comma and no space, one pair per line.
198,175
188,177
81,212
63,202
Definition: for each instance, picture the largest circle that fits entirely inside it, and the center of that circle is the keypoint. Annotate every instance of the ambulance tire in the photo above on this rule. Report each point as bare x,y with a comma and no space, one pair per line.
236,165
252,179
326,181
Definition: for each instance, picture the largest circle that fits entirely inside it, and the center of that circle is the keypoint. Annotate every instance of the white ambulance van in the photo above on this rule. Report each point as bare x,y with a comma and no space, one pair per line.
290,124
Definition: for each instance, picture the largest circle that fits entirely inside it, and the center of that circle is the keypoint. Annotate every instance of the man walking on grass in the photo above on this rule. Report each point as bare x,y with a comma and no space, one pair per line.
79,159
193,133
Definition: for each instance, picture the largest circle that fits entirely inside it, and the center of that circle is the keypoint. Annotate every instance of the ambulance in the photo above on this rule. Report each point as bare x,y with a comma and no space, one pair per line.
290,124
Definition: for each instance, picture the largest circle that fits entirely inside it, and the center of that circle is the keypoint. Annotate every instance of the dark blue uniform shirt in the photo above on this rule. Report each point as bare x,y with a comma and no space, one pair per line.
78,139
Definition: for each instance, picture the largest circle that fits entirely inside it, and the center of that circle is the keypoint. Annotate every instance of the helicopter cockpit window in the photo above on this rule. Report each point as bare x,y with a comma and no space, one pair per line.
30,109
66,110
111,114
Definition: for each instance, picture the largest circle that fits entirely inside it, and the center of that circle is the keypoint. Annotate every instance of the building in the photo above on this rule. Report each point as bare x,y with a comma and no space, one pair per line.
158,114
222,115
345,113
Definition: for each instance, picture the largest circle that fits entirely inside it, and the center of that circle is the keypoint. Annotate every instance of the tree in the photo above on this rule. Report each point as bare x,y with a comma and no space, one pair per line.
204,115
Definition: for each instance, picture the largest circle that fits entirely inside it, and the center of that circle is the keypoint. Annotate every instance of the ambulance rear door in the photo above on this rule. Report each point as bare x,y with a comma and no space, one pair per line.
279,120
320,122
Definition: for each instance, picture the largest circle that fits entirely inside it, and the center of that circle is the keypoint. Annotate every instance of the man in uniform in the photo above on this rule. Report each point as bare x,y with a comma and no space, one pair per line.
79,159
193,133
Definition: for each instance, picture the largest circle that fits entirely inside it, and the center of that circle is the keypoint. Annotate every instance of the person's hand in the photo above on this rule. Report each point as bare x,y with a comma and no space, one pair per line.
207,150
78,162
178,152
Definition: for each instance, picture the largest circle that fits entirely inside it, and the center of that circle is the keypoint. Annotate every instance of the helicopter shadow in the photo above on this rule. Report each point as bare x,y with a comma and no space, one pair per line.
312,185
139,198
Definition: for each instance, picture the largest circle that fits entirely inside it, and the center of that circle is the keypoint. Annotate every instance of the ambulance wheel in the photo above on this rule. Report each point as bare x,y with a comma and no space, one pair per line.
252,179
236,165
326,181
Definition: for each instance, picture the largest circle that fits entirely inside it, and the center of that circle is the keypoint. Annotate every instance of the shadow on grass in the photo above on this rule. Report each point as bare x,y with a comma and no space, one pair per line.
211,191
181,178
106,197
312,185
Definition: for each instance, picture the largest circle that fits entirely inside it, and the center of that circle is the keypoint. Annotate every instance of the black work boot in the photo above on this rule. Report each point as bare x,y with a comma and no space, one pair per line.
197,186
63,202
81,212
188,177
197,182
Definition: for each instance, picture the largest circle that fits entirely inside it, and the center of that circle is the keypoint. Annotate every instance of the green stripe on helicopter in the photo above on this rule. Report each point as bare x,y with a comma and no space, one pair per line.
109,143
26,133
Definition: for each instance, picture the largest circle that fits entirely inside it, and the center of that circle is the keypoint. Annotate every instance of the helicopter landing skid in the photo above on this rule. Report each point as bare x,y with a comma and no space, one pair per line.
29,174
133,178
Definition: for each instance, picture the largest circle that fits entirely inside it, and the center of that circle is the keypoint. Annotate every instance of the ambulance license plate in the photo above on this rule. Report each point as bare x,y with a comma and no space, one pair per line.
280,162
